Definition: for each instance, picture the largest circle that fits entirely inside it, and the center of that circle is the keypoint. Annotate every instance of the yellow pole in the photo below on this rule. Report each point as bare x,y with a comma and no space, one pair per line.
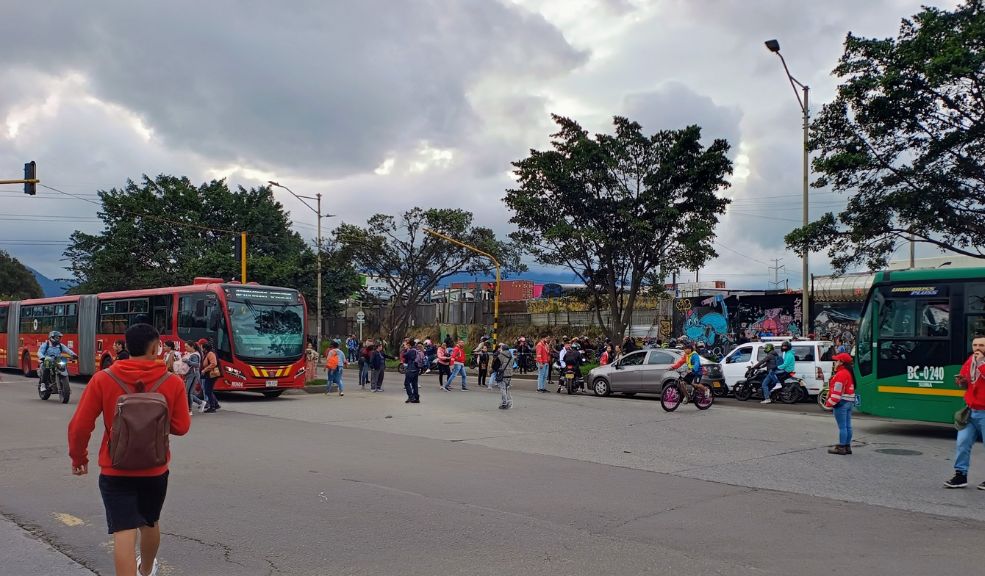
495,263
242,256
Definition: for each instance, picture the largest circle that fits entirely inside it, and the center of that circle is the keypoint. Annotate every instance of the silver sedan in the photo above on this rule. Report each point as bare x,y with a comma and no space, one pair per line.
642,371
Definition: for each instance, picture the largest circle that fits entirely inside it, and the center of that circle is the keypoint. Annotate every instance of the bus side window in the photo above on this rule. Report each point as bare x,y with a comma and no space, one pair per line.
864,343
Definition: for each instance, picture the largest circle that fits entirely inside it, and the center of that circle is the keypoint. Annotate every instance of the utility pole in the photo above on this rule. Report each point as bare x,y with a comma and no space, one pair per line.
775,269
30,179
318,213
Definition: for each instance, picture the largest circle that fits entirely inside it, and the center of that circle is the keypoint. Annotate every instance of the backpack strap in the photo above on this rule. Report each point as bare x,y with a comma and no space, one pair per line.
160,382
126,389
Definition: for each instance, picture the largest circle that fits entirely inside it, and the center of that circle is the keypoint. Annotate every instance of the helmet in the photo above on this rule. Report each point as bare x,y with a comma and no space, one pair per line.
786,345
416,341
55,335
522,339
768,348
427,342
575,346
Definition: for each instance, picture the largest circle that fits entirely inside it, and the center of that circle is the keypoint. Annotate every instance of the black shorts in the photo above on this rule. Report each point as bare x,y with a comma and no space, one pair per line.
689,377
132,501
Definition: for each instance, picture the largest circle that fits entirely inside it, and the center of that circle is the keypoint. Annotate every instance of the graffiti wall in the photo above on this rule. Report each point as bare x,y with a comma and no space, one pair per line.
720,321
836,320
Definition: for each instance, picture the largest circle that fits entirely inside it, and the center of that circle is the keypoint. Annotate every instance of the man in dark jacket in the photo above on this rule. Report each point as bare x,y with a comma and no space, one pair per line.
771,361
413,360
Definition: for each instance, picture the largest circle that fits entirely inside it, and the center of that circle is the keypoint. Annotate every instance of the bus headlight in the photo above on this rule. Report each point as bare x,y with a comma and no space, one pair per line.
234,372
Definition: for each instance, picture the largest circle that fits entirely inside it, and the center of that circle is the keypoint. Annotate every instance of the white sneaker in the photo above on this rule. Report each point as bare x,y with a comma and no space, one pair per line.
767,401
776,387
202,406
153,570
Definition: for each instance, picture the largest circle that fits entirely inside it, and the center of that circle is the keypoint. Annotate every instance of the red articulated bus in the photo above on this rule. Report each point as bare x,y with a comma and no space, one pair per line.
258,331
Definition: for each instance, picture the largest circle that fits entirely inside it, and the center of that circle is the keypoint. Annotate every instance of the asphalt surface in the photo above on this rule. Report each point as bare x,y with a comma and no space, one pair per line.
314,484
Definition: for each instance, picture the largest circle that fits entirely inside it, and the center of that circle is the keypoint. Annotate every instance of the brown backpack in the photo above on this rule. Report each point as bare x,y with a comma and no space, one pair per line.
139,438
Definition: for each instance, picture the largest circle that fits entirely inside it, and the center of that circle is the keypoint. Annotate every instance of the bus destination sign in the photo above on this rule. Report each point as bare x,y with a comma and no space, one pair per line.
918,291
261,295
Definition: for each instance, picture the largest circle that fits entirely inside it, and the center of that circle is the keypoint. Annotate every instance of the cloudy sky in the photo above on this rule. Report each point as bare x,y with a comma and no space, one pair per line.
383,105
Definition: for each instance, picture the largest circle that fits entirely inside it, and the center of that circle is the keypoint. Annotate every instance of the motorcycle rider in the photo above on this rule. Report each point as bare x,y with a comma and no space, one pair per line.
54,349
788,365
575,358
771,362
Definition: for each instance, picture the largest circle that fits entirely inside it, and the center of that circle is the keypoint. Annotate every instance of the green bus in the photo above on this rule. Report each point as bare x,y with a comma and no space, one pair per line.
914,334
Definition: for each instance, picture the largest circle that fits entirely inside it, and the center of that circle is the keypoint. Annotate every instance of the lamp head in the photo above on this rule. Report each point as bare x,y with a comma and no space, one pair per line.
773,45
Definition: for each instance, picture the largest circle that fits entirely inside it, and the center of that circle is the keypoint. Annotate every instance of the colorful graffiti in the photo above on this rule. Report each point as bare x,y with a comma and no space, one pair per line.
837,320
771,319
720,320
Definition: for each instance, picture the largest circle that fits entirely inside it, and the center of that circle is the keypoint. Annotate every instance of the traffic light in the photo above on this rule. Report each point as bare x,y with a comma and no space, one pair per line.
31,178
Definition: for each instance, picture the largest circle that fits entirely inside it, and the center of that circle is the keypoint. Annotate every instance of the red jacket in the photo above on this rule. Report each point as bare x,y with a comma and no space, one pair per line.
458,355
841,387
974,396
542,353
99,397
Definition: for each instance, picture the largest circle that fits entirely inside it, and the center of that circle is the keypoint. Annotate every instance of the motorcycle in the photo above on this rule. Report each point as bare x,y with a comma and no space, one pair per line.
54,378
571,381
791,390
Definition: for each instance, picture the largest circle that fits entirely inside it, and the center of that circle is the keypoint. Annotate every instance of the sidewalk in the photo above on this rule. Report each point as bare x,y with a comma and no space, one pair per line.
25,555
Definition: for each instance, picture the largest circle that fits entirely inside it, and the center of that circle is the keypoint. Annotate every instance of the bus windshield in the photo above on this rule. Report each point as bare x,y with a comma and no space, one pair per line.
265,331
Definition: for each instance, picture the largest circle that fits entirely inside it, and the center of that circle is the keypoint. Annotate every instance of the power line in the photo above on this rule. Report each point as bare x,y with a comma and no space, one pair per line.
739,253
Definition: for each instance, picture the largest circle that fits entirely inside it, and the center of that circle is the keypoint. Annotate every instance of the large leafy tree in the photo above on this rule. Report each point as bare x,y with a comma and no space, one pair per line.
906,137
412,263
166,231
620,209
16,281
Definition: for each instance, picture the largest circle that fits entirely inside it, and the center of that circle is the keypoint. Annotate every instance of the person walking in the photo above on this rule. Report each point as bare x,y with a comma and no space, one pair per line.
193,375
413,360
841,398
444,364
504,376
523,353
353,346
458,365
481,355
335,363
310,363
210,372
970,420
133,495
542,354
365,359
376,363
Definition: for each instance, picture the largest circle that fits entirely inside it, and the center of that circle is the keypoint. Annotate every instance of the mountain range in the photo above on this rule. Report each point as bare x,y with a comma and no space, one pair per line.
50,287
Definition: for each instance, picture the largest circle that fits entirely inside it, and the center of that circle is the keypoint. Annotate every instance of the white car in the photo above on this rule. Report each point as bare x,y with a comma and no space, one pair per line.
813,361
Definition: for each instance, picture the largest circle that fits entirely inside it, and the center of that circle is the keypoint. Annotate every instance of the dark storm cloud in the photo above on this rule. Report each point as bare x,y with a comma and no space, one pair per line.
323,87
674,106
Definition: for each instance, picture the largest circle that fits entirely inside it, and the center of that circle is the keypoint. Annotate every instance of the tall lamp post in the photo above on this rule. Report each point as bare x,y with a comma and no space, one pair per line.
317,211
495,263
774,47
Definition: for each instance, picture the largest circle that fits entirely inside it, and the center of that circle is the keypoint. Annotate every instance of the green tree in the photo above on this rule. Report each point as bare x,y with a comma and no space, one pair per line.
412,263
906,137
167,231
616,209
16,281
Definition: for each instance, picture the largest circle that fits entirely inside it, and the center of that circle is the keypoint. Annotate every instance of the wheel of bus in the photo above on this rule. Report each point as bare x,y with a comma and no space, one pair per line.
26,365
272,393
106,363
601,387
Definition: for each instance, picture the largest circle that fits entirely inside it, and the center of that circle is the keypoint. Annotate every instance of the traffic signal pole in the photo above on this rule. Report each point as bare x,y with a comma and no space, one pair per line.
30,179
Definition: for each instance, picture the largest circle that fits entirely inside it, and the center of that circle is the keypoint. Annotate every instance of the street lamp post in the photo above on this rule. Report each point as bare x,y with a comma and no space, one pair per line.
495,264
774,47
317,211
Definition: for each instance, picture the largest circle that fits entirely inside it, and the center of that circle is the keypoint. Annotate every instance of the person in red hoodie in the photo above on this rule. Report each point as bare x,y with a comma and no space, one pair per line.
133,498
841,398
972,379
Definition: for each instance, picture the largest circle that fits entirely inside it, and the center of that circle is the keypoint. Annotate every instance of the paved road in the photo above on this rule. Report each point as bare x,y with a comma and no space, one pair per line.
365,484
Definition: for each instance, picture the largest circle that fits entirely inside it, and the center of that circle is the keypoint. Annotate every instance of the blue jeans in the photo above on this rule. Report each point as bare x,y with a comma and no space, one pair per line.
335,377
843,416
363,373
967,438
542,370
455,371
768,383
208,392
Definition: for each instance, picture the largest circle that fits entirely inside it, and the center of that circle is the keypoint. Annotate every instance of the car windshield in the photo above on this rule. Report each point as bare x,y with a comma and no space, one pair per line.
266,331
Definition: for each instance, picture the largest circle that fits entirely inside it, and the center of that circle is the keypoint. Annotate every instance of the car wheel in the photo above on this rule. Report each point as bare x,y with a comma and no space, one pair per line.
601,387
